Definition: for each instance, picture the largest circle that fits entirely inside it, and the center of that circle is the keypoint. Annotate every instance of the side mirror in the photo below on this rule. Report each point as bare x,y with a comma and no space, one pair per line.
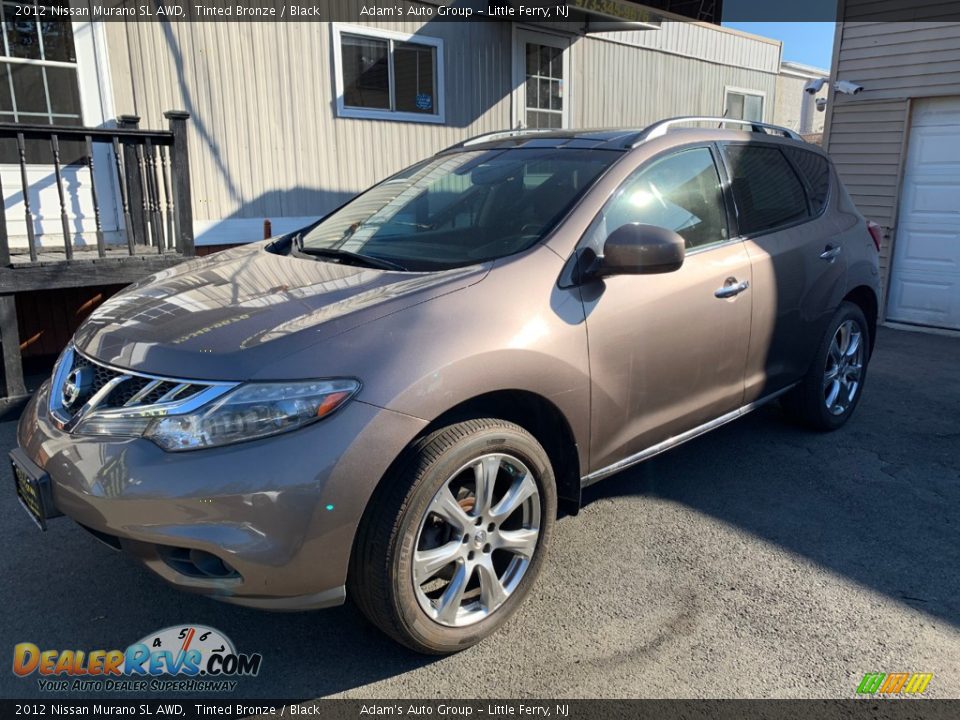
637,249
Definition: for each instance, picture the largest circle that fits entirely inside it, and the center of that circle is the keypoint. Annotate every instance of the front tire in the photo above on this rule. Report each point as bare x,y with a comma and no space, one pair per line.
454,539
830,391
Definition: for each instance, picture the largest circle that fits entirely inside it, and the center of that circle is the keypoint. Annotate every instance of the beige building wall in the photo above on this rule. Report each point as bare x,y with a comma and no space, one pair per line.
866,133
266,142
623,84
790,103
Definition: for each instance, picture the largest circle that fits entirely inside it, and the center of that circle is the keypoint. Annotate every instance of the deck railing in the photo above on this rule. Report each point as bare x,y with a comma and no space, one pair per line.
145,174
150,176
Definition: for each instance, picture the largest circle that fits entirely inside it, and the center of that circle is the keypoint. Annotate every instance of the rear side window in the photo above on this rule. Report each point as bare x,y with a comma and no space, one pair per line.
767,191
816,171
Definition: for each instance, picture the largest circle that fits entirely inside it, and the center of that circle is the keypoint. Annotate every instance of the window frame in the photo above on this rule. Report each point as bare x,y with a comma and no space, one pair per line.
719,163
41,118
729,90
799,176
391,37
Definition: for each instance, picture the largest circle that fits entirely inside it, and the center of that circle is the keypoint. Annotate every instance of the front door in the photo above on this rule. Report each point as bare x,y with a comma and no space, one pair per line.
667,351
541,77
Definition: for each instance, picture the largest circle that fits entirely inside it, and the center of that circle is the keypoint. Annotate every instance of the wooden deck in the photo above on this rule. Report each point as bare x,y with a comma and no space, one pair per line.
151,170
52,270
20,257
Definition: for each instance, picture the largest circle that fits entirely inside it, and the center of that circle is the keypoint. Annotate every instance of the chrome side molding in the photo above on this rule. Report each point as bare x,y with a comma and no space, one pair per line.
673,442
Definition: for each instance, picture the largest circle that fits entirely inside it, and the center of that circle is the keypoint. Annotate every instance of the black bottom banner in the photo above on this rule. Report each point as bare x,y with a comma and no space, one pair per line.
915,709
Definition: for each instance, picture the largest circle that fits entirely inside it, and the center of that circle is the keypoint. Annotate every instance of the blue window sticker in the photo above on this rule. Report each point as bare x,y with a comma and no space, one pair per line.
424,101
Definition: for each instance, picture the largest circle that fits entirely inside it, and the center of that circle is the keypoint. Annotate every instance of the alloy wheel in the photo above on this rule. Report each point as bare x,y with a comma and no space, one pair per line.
476,540
844,368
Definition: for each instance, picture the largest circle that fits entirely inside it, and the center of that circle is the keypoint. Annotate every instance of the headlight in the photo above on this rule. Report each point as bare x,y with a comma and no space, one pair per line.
250,411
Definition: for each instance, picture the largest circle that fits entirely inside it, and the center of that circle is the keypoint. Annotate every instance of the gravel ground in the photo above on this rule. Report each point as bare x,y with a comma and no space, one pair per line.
761,560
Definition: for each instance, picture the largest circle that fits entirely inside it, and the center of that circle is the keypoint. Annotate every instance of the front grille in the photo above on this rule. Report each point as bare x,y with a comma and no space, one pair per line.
82,385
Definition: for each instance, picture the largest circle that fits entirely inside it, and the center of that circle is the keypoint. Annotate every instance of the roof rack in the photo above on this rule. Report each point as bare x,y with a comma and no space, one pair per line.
659,129
502,135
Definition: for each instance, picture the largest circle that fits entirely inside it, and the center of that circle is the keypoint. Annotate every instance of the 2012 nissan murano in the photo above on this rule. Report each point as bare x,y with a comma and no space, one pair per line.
391,403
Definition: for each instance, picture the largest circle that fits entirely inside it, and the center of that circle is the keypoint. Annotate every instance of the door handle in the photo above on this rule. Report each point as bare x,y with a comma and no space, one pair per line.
731,288
830,252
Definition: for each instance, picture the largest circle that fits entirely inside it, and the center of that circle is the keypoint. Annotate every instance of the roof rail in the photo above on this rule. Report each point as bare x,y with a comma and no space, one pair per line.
658,129
499,135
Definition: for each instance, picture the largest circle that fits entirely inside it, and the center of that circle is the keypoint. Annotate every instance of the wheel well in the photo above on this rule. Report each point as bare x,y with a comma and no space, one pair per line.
866,300
542,419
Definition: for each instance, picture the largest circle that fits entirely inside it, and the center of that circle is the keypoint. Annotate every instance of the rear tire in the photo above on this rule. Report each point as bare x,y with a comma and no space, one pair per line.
455,537
830,391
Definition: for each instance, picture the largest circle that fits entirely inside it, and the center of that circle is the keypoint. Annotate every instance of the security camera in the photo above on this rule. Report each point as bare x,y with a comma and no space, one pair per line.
814,86
847,88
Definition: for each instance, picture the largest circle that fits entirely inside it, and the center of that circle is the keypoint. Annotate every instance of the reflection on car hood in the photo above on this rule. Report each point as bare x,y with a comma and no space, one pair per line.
228,316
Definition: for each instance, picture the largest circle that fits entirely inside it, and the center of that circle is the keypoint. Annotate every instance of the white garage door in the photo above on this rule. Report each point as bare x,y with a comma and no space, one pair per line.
925,276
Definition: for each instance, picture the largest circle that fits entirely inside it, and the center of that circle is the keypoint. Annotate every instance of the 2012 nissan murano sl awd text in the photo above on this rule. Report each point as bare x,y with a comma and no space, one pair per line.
391,403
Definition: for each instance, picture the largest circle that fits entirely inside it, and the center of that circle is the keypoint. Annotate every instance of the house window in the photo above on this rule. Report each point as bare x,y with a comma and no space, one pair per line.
744,105
388,75
38,79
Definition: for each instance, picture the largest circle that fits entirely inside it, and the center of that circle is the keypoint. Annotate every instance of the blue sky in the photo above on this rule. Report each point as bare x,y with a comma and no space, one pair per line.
810,43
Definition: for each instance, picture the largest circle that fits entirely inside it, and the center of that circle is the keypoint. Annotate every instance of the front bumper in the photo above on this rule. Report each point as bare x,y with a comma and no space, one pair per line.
280,512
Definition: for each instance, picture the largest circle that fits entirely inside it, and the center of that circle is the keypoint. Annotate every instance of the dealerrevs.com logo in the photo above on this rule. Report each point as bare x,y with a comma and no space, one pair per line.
181,658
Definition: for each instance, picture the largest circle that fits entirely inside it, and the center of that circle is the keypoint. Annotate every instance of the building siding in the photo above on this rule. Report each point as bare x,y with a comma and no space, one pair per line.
265,141
642,85
867,132
703,41
789,105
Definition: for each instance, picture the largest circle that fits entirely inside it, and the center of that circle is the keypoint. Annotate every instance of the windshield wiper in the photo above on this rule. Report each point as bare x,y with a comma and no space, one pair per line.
346,256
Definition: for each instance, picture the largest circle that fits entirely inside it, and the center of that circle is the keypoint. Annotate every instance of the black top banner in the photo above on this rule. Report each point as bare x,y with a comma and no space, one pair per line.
586,12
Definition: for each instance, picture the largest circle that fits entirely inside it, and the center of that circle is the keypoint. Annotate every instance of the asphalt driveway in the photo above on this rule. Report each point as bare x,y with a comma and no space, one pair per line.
760,560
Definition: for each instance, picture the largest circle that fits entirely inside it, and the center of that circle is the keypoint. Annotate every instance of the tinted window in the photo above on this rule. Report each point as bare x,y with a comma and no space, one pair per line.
366,72
462,208
414,77
767,191
816,170
680,192
386,74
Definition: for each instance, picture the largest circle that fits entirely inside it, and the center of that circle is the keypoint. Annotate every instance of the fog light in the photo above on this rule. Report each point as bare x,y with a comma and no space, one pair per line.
196,563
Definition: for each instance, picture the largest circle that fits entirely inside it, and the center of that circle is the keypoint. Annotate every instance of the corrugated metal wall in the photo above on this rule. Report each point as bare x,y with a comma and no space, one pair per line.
265,139
894,61
705,42
619,84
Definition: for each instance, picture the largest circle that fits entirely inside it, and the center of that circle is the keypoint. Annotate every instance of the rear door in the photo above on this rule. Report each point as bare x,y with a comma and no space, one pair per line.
781,193
667,351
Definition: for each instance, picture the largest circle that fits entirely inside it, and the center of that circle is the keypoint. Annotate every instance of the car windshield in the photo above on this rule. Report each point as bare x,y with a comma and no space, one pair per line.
459,209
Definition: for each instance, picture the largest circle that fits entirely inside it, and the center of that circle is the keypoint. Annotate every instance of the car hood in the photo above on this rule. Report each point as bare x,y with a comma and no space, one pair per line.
230,315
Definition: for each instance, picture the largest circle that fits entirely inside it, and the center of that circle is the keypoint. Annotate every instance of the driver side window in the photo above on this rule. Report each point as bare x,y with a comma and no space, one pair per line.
680,192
